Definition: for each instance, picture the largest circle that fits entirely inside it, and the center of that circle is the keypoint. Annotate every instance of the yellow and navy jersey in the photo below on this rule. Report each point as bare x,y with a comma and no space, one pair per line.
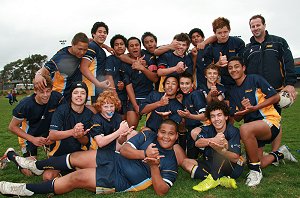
168,60
64,69
97,56
102,126
134,175
231,133
64,118
113,67
271,59
195,102
233,47
36,118
142,86
154,120
257,90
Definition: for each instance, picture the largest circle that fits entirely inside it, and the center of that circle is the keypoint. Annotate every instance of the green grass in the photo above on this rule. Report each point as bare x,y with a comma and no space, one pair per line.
282,181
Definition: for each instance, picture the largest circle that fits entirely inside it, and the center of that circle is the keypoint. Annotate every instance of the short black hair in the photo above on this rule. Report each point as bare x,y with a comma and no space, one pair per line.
194,30
132,38
114,38
148,34
97,25
236,58
170,122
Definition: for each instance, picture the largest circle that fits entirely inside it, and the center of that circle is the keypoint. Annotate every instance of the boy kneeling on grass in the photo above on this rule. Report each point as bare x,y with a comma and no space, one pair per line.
220,142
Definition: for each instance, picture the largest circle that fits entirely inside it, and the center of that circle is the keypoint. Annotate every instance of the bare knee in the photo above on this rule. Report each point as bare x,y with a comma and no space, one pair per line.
188,164
50,174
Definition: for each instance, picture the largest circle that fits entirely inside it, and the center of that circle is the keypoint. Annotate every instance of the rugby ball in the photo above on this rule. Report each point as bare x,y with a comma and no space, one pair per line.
285,99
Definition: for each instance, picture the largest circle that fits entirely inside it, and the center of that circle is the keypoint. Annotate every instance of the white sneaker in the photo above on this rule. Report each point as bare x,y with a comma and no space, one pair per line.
254,178
28,163
287,154
8,188
4,159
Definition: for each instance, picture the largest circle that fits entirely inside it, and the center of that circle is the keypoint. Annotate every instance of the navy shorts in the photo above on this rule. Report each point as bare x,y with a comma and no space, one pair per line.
130,106
274,132
105,171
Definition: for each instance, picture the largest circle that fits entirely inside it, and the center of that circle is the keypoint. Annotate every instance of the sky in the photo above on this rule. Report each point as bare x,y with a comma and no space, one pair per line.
36,26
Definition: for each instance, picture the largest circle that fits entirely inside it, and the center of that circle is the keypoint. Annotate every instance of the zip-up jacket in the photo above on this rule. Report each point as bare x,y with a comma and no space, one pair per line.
271,59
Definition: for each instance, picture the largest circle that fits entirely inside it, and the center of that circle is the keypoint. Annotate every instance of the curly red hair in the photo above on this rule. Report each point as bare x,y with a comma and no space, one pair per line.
107,97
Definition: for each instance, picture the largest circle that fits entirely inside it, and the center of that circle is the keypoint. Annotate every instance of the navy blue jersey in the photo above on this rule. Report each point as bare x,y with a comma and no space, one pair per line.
257,90
154,120
133,175
200,67
36,118
205,90
64,118
97,56
103,127
113,67
142,86
233,47
194,102
169,59
64,69
231,133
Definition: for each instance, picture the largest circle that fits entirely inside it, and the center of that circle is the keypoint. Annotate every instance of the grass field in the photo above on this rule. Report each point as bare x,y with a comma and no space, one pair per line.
282,181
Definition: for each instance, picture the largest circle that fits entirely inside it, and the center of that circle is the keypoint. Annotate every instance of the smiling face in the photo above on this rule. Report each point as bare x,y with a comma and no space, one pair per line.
171,86
134,48
100,35
257,28
78,96
150,44
212,76
42,96
186,84
218,120
119,46
108,110
182,48
222,34
236,71
167,135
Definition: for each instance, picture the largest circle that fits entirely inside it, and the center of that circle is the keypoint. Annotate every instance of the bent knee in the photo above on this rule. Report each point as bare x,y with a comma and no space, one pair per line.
50,175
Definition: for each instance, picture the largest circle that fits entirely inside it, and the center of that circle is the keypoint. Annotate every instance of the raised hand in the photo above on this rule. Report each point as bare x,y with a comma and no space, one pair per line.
222,60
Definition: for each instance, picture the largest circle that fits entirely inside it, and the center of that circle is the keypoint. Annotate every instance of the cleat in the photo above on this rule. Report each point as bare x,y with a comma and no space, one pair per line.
254,178
19,189
208,183
287,154
28,163
4,160
228,182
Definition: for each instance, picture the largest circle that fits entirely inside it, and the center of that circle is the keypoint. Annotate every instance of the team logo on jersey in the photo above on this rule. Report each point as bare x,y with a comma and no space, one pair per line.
248,90
43,117
232,50
269,46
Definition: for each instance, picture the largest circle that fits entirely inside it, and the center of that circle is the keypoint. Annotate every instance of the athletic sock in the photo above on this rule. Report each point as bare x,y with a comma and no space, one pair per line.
277,155
254,166
56,163
41,188
198,173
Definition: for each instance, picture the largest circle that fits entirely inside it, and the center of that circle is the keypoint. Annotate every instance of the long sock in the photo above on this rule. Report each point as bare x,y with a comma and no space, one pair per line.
277,155
198,173
56,163
254,166
41,188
